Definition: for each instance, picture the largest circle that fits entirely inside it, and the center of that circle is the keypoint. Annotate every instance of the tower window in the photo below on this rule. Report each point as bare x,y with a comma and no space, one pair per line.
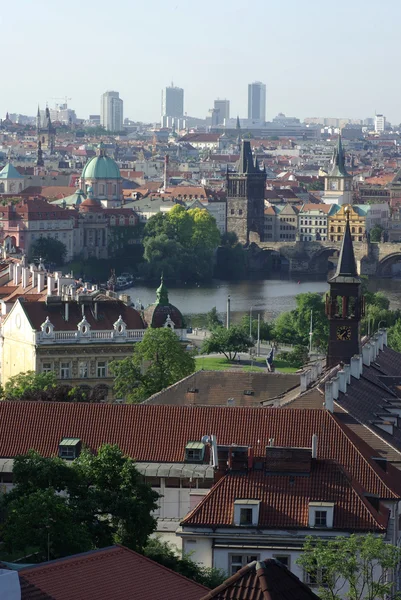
240,211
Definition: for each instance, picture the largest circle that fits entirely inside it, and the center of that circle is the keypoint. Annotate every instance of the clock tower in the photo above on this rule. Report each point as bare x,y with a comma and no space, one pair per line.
338,182
344,305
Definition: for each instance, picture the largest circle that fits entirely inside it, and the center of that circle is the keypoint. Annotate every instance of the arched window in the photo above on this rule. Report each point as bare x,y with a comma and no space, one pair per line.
331,229
338,229
353,229
360,230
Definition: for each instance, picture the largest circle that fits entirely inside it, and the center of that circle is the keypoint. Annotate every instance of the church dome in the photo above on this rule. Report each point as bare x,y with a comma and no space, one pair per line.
101,166
162,312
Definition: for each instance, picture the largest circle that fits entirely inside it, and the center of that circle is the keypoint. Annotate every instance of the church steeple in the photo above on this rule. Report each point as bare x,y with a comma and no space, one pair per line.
344,305
338,161
39,159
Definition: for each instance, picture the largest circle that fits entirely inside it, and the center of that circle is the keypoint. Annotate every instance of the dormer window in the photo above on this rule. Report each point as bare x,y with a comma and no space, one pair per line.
119,326
246,512
194,452
47,328
69,448
84,327
321,515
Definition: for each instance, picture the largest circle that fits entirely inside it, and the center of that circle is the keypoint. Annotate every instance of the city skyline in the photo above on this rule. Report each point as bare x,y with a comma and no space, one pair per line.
324,68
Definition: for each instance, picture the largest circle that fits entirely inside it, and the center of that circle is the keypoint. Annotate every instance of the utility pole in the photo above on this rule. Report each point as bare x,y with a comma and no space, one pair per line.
250,322
258,344
311,332
228,312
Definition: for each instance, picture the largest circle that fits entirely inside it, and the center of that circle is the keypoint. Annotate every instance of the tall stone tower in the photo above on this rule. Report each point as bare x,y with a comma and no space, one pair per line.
46,132
246,198
344,306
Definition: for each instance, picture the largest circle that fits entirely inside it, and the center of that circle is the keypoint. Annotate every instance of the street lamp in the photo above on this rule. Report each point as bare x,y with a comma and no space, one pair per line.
250,322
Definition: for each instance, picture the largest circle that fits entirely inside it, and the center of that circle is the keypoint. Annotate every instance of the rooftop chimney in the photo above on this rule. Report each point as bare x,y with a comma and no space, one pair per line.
380,339
314,445
41,281
10,588
11,271
366,355
25,277
336,385
66,311
17,274
342,381
385,337
328,396
347,371
50,285
355,367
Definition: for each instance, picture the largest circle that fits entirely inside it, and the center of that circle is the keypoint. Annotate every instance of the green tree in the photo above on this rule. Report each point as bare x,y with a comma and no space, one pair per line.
46,522
230,258
294,327
181,243
227,341
394,336
159,360
285,330
49,249
164,554
25,386
266,329
365,564
213,319
58,509
376,233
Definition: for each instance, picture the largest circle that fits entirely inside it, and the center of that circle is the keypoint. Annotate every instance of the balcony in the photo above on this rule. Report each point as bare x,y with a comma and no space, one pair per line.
74,337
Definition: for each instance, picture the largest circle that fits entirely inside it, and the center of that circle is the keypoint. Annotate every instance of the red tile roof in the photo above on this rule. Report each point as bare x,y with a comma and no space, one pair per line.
285,499
108,313
160,433
34,209
114,573
265,580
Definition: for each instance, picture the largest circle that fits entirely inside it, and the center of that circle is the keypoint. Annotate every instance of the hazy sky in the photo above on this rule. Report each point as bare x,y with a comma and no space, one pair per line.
317,57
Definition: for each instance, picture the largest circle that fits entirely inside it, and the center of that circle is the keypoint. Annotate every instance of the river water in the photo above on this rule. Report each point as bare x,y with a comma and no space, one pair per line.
269,297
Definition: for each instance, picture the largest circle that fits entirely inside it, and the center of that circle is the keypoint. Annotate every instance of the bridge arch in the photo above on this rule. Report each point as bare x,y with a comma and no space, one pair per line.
386,264
320,261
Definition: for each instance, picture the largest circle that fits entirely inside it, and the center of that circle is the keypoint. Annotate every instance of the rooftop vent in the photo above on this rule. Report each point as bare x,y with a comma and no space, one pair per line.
193,390
249,393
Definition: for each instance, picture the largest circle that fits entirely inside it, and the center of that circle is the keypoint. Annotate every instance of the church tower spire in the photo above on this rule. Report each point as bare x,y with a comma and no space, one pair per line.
338,182
344,305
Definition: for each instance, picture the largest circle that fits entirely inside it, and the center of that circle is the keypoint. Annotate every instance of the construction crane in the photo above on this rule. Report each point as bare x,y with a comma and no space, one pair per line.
65,98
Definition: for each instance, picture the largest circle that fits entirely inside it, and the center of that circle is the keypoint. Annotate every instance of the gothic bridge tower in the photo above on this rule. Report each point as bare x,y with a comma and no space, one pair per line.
246,198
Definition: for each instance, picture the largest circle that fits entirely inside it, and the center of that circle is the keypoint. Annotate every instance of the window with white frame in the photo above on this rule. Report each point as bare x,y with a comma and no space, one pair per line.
316,577
101,368
321,514
64,370
47,367
246,512
237,561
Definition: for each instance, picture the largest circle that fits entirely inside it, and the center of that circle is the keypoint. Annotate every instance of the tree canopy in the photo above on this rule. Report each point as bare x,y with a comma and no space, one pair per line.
181,244
293,327
376,233
227,341
361,563
49,249
56,509
158,361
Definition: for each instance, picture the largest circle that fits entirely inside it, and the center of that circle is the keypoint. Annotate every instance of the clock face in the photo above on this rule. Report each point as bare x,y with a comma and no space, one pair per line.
334,185
344,333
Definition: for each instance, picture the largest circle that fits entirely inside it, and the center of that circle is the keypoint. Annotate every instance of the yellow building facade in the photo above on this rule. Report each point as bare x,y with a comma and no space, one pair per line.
338,219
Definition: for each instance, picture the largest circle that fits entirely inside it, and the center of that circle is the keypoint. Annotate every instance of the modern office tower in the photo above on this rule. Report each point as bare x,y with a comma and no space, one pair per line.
172,104
380,123
257,101
111,111
223,108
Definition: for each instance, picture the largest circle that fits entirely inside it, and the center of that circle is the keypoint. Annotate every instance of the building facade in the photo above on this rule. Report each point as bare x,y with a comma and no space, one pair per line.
313,222
337,222
172,103
245,198
257,101
111,111
287,227
223,108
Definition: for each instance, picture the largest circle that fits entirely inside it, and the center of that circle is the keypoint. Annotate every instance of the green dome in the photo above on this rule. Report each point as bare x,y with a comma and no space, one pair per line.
101,167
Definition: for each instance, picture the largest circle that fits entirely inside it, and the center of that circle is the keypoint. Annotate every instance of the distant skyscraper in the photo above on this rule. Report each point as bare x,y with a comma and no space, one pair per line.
172,104
257,101
223,106
380,123
111,111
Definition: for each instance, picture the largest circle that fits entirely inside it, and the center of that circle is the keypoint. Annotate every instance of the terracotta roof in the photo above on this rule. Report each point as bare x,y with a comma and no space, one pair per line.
325,208
34,209
108,314
160,433
222,388
56,191
265,580
284,499
114,573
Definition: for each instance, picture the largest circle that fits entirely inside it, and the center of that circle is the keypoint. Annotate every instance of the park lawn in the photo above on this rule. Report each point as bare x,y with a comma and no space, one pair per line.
209,363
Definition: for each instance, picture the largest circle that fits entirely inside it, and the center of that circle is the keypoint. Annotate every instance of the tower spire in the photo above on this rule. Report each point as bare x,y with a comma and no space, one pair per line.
346,267
338,160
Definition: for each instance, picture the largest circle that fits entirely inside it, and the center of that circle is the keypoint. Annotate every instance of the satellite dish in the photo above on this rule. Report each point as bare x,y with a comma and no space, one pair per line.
205,439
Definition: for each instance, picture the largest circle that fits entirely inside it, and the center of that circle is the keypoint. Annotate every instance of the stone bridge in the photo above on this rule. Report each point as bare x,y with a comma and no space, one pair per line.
312,257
